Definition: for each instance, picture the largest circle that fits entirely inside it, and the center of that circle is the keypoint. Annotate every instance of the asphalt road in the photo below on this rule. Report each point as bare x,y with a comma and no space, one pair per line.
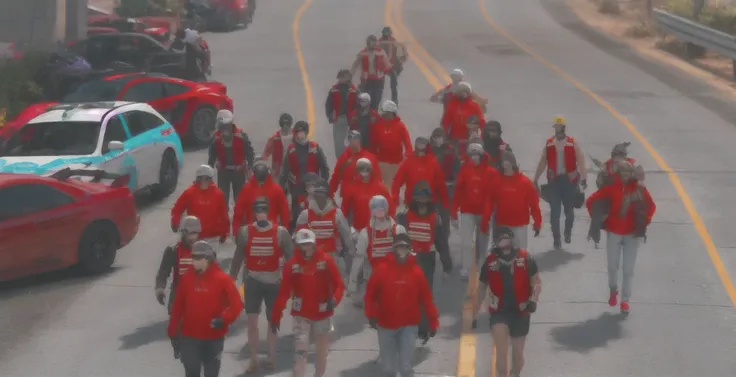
683,321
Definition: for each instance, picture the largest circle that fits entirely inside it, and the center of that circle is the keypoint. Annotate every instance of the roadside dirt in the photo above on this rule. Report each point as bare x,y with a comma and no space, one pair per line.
633,27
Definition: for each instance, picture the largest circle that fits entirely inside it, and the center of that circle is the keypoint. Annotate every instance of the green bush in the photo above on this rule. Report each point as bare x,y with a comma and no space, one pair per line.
18,87
143,8
719,17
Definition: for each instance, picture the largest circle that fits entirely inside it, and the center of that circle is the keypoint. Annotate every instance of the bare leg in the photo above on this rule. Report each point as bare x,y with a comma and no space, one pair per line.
322,349
517,355
271,338
500,333
254,341
301,346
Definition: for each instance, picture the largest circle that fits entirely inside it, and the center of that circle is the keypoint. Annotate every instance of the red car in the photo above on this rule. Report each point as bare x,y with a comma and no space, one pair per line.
191,107
51,223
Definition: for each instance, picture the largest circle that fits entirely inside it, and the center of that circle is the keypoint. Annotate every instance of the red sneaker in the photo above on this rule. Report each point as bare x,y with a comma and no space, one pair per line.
613,298
624,307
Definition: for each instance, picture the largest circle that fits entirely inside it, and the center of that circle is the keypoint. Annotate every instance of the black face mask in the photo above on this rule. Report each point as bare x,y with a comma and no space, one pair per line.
260,174
262,223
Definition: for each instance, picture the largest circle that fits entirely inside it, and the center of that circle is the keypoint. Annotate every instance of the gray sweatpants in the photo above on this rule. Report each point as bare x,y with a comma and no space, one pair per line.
201,356
469,232
620,247
340,134
396,350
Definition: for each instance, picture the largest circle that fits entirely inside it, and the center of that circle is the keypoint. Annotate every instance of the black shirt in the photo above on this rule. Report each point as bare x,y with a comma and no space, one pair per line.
509,302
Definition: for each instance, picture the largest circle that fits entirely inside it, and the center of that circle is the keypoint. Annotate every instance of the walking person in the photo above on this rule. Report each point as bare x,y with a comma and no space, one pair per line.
374,64
397,55
232,155
362,119
206,201
390,142
341,100
278,143
177,259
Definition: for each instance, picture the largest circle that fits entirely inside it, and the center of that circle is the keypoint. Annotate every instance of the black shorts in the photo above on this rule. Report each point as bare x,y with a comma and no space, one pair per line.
258,292
518,324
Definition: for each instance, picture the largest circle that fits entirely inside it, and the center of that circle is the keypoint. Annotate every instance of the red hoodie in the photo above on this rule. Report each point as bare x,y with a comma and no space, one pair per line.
199,299
207,205
615,193
278,207
515,199
345,170
455,118
397,293
416,169
390,141
356,201
310,284
474,187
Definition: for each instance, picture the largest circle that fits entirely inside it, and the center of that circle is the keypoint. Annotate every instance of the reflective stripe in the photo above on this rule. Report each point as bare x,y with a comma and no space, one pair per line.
382,246
262,247
323,229
421,232
184,265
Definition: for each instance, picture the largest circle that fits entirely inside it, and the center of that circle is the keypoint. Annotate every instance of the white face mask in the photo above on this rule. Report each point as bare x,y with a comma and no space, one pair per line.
402,252
200,265
379,213
475,159
204,185
365,174
365,104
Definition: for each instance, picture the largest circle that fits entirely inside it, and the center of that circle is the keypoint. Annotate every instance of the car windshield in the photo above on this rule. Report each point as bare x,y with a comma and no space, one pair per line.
54,139
97,90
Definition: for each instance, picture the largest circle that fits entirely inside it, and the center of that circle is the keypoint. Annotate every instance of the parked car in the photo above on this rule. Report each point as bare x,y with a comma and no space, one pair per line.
117,137
159,29
51,223
219,14
190,106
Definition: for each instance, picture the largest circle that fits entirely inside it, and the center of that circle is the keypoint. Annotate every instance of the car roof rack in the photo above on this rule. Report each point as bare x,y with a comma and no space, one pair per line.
97,174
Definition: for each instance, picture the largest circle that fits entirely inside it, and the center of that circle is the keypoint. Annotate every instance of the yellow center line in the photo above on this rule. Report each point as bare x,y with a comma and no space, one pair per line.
393,16
302,66
687,202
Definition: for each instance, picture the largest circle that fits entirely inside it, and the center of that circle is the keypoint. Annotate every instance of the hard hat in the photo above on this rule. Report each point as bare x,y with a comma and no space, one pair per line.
402,239
363,164
457,72
205,171
559,121
364,97
260,204
304,236
378,202
190,224
321,187
463,86
475,149
225,118
202,249
389,107
353,135
285,118
301,126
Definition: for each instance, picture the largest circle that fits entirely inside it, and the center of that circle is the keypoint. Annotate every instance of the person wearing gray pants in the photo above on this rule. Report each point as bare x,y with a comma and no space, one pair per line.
341,100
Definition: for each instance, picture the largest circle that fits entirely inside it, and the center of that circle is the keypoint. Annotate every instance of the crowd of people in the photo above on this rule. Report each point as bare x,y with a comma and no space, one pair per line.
348,231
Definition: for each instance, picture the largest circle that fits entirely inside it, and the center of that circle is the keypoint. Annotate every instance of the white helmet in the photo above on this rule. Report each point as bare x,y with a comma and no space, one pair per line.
304,236
205,171
389,107
225,118
363,164
457,72
364,97
463,86
378,202
191,224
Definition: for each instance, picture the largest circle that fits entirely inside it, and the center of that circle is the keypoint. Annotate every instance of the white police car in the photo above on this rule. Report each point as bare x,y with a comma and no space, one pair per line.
118,137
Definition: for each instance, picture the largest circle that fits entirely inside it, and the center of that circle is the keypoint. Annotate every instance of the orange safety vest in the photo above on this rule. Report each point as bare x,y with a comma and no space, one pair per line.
380,244
262,251
522,284
325,228
379,64
421,231
312,162
571,162
238,148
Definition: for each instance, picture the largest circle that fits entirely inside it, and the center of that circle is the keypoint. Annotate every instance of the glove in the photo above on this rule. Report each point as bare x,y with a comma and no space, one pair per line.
174,228
217,323
160,296
373,322
536,231
455,224
223,239
275,328
584,184
175,346
531,307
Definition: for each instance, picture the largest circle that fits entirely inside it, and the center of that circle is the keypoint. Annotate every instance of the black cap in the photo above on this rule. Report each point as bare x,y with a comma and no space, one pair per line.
386,30
260,204
285,118
402,239
301,126
504,232
422,192
343,73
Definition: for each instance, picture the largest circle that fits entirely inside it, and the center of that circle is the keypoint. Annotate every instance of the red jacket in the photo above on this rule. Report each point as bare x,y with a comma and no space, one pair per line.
345,170
515,199
473,189
310,284
357,198
416,169
201,298
278,207
207,205
390,141
397,293
355,113
275,149
455,118
615,193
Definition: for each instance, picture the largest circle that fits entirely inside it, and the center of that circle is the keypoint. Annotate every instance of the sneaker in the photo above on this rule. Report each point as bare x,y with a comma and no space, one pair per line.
568,239
557,245
625,307
613,299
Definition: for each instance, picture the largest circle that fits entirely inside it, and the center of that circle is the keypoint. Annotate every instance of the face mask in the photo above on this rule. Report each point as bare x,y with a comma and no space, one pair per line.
422,208
504,243
260,174
379,213
439,141
190,238
402,253
475,159
204,185
301,137
420,152
508,168
365,104
365,175
262,223
200,265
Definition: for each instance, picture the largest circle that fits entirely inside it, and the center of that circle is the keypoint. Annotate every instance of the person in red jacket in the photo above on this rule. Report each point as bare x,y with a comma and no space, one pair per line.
510,282
261,247
345,170
341,99
631,209
396,297
421,166
231,153
312,281
362,119
474,187
177,259
390,141
457,112
207,302
515,199
276,145
206,201
355,203
262,184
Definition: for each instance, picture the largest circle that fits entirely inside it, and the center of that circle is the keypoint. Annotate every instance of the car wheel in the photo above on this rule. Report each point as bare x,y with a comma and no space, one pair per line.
168,175
98,248
202,126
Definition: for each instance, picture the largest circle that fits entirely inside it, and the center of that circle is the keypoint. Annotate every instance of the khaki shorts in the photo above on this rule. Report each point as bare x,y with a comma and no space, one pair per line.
305,329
